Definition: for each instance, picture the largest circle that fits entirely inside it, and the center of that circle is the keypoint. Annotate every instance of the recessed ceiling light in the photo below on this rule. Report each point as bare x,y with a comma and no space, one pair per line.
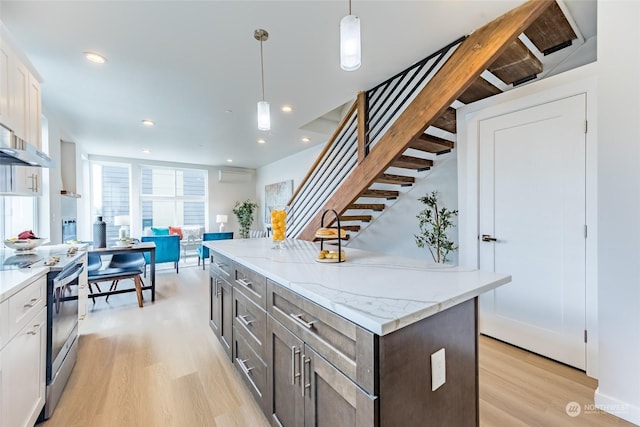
95,57
228,111
306,139
147,122
229,160
287,108
261,141
146,151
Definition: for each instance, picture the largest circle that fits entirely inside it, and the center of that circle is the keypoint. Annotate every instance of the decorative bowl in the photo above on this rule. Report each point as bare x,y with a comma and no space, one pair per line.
24,244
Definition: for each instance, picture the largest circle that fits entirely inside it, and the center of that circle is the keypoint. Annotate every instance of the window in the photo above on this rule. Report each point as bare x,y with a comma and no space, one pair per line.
19,214
173,196
110,193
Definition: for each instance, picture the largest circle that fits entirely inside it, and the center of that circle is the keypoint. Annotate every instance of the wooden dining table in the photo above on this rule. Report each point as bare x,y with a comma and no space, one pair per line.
149,247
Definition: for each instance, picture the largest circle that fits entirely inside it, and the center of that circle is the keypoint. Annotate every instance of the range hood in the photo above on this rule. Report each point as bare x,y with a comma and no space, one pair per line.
15,151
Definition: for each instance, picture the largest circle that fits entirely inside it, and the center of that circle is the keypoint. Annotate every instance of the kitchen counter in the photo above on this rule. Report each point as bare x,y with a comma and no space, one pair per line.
12,281
378,292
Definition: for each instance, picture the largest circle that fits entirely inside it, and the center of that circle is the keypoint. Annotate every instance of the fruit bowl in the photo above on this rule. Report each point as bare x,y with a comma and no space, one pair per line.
24,244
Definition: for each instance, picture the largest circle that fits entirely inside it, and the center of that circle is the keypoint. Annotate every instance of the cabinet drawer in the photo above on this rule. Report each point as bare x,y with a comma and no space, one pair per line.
25,304
221,265
251,319
4,322
344,344
252,284
251,368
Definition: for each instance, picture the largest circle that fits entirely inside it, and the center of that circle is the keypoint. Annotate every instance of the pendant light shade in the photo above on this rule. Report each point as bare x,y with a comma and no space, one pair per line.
350,56
264,117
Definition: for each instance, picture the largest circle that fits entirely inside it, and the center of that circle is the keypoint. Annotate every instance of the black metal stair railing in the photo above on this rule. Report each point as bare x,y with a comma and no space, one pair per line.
384,103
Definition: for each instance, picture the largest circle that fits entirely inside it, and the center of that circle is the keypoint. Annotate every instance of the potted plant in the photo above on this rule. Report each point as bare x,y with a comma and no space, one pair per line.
434,223
244,212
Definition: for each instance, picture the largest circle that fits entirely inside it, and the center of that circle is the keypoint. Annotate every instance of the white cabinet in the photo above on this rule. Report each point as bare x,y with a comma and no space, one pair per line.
20,97
4,86
20,181
22,355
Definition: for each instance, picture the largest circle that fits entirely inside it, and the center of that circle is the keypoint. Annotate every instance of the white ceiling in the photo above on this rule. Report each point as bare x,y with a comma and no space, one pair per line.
186,64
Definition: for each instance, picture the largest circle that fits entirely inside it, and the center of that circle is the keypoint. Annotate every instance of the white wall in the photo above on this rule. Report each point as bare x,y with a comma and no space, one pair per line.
294,167
619,208
393,230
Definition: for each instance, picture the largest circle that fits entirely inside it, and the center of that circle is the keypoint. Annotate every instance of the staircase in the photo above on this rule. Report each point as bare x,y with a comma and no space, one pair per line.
398,129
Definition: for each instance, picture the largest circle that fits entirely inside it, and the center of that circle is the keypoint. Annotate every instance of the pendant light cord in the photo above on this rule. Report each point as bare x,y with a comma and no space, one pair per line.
349,7
262,69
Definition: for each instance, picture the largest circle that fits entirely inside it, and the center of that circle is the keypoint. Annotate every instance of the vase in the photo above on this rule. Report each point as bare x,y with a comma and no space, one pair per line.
279,226
100,233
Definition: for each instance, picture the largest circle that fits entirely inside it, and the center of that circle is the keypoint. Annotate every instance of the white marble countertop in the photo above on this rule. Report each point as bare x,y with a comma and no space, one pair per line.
12,281
381,293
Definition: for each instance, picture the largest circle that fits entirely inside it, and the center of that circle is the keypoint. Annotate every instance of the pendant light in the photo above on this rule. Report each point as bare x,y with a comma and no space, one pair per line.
264,118
350,42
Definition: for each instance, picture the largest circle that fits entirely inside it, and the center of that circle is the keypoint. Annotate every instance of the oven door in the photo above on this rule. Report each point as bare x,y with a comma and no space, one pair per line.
63,315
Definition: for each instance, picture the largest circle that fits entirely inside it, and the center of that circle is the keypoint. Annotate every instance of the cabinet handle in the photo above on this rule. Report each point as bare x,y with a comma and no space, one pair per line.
34,330
294,375
35,180
218,288
298,318
303,383
244,321
243,366
244,283
31,303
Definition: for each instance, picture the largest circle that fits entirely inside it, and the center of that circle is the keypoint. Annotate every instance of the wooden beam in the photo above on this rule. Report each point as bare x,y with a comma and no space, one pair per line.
469,60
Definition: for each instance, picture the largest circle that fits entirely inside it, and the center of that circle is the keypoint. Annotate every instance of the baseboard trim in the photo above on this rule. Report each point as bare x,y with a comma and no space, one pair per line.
618,408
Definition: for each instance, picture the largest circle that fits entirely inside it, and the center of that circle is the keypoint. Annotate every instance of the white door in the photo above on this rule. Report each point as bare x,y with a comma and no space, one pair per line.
532,201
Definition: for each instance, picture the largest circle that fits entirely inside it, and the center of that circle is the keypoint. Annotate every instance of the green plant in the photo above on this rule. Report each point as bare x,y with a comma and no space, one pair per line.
244,212
434,223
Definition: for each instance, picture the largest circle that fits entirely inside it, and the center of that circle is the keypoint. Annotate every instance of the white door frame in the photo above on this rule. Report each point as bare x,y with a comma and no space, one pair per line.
580,80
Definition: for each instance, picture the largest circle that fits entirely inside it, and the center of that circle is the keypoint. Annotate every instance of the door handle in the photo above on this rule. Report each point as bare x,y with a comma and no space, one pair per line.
488,238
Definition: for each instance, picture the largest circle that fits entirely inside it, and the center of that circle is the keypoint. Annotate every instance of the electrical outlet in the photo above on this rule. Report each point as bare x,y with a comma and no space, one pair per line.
438,369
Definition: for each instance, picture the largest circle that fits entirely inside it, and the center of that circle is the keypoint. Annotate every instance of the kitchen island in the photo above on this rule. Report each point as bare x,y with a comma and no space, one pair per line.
376,340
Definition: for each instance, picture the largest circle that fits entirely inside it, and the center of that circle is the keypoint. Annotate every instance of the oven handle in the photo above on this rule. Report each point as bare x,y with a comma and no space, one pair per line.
59,282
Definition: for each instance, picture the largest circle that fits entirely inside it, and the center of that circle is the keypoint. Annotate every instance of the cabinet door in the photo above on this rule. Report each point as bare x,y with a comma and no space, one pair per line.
27,180
18,89
332,399
215,307
285,404
23,374
34,112
5,118
226,317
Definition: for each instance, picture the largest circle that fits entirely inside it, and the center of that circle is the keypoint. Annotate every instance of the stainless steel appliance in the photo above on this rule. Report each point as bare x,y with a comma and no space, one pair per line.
69,209
15,151
62,313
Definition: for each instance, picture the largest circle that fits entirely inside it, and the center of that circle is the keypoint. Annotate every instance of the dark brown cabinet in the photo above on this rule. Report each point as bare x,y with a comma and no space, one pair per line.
220,318
305,365
285,403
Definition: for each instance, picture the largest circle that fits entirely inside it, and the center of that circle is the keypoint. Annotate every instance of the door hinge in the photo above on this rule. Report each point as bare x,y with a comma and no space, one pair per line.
585,231
585,336
586,126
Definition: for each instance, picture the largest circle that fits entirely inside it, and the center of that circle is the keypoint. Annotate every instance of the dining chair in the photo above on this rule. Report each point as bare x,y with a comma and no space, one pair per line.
127,262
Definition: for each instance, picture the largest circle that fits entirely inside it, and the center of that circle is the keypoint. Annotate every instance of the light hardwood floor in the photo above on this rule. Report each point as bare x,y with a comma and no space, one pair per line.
160,365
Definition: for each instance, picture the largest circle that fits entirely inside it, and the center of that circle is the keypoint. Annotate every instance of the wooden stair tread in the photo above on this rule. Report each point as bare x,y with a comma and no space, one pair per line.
388,178
350,227
516,64
551,31
446,121
376,207
363,218
431,144
479,89
410,162
382,194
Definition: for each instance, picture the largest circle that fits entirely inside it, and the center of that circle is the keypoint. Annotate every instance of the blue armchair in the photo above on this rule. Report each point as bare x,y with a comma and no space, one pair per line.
203,252
167,249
